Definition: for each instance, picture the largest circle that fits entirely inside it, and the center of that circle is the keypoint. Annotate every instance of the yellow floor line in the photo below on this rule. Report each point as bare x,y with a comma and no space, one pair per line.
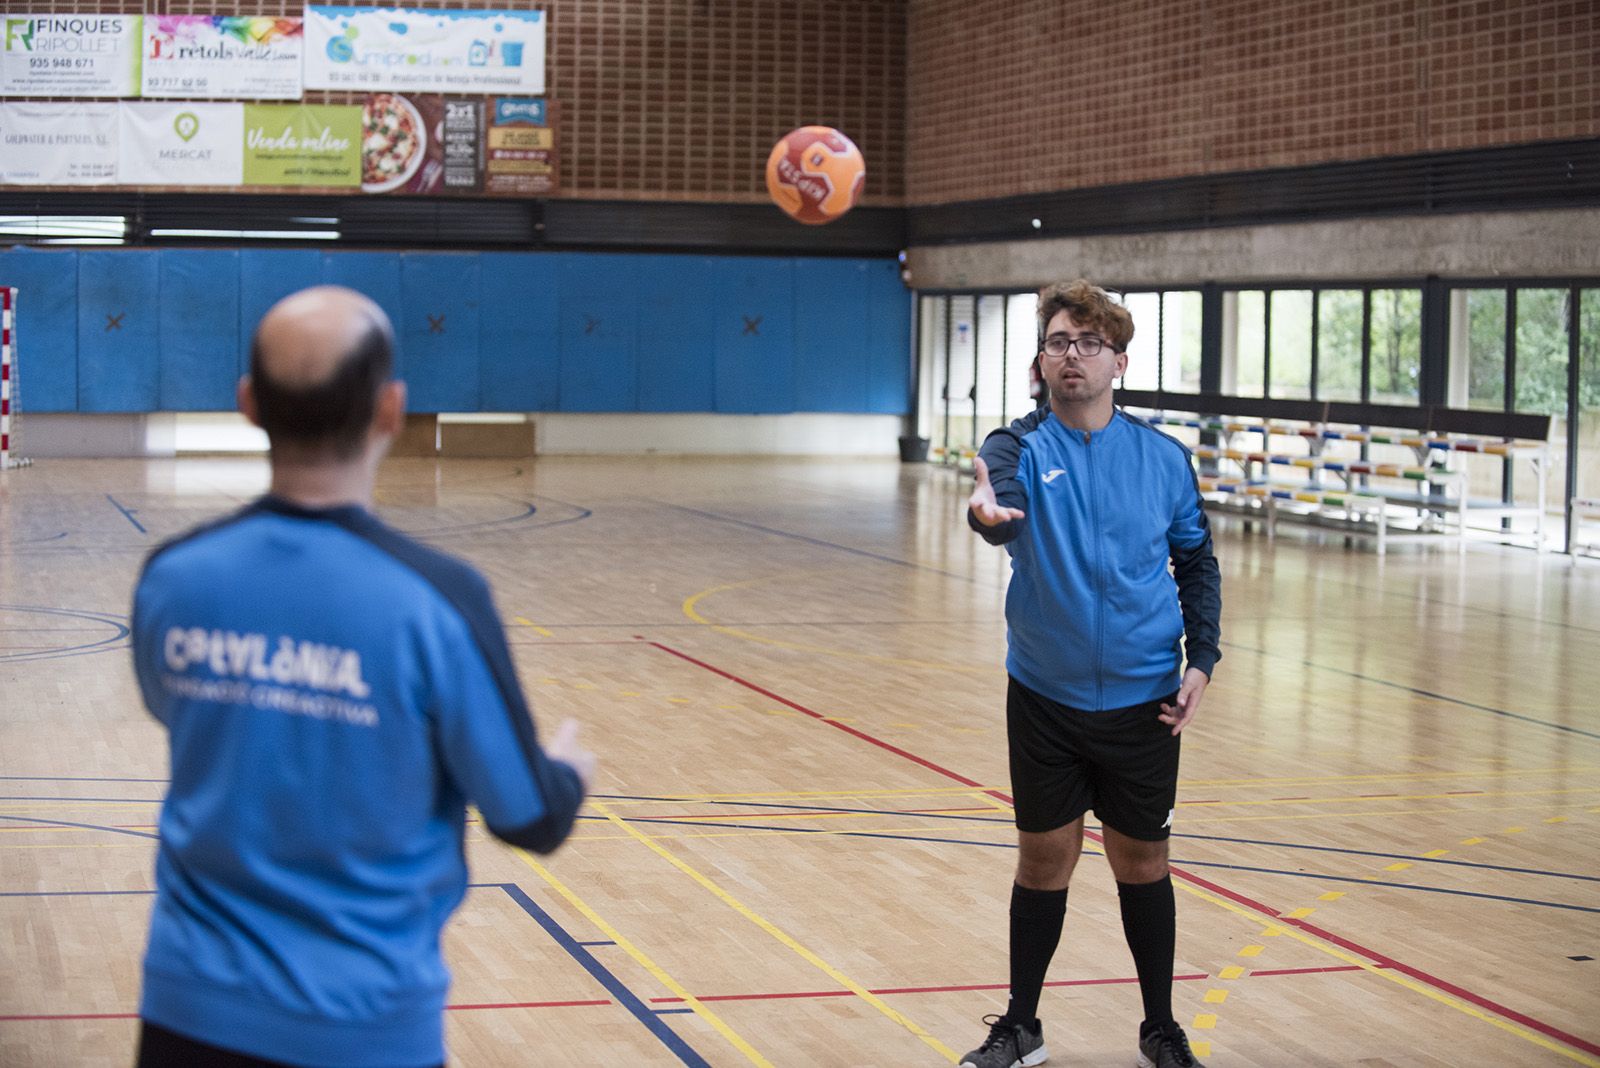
1311,780
1399,978
645,962
811,958
1346,798
524,622
1192,818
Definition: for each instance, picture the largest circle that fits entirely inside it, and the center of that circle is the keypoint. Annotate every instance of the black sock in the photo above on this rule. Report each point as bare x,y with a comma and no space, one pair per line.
1150,922
1036,920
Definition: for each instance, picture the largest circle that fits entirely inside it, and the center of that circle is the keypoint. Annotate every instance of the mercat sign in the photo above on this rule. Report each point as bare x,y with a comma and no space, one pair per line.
294,144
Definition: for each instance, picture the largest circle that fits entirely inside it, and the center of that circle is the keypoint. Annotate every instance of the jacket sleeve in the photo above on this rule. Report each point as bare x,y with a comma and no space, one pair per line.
487,739
1194,566
1002,452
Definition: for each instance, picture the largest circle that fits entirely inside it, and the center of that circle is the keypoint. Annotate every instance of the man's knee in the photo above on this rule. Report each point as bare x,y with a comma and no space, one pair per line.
1046,861
1134,860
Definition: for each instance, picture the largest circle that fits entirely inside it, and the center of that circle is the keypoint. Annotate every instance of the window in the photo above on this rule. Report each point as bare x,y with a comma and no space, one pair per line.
1395,335
1249,346
1022,345
1339,319
1144,351
1542,351
1291,344
1486,349
1180,341
992,363
1589,394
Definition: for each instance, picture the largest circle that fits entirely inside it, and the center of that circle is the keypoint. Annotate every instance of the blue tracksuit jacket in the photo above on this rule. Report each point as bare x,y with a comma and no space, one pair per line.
1094,617
335,694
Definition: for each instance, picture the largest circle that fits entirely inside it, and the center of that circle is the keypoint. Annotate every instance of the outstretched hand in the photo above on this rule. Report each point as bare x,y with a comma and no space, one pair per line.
982,502
1184,707
563,746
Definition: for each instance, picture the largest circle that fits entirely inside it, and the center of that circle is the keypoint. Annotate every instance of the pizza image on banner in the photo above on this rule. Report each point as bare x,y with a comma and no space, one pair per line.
421,145
302,144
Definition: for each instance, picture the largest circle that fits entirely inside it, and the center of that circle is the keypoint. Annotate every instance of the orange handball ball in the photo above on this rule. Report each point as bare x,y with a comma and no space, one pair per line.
815,174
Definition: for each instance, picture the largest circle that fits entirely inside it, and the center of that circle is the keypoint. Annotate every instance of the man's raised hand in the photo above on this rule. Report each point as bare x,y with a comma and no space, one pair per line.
982,502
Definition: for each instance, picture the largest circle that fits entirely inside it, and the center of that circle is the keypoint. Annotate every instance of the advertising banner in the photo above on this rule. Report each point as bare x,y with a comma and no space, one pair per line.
302,144
424,51
181,144
421,145
521,151
69,55
220,56
58,144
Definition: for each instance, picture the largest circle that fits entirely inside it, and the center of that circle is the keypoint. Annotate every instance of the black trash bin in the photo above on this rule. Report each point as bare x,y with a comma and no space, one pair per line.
913,450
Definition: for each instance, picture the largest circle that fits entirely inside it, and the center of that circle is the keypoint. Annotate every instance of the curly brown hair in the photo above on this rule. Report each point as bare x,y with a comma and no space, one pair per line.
1090,306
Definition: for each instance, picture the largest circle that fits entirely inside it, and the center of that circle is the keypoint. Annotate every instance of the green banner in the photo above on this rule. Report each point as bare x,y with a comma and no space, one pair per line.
302,144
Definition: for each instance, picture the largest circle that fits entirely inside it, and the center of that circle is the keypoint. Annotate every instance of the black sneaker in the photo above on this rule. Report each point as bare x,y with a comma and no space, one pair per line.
1009,1045
1165,1046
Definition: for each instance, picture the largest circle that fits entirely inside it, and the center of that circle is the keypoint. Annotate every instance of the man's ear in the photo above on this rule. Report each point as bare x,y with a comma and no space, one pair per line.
246,398
390,417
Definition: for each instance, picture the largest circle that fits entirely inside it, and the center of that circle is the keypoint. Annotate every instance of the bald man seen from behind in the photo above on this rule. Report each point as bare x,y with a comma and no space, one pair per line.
335,694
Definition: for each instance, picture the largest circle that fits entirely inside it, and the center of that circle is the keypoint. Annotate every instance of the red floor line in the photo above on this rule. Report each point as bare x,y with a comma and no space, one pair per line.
1305,798
448,1008
797,994
530,1005
946,772
1178,873
1451,988
76,1016
549,641
1310,971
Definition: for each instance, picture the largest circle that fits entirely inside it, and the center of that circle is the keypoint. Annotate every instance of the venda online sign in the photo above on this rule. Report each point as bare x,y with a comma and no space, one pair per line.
294,144
486,52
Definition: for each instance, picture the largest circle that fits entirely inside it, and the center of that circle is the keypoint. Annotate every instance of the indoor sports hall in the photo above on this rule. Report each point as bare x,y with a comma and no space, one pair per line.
715,463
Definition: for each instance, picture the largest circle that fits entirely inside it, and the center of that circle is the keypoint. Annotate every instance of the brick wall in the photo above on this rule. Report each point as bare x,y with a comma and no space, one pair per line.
683,99
970,99
1018,96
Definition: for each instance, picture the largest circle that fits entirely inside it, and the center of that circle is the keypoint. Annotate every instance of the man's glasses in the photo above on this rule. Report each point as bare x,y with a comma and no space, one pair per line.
1061,344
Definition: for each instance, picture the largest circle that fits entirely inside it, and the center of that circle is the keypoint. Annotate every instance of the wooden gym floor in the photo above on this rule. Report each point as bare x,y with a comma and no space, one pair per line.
799,852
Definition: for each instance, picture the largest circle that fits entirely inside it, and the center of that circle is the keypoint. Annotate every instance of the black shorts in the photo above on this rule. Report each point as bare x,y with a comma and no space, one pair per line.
161,1048
1123,763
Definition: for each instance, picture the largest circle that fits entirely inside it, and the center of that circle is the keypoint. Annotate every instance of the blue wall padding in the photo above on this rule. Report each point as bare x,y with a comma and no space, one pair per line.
599,314
519,338
676,372
887,352
118,332
377,276
830,337
266,276
199,329
753,335
47,327
438,328
500,331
